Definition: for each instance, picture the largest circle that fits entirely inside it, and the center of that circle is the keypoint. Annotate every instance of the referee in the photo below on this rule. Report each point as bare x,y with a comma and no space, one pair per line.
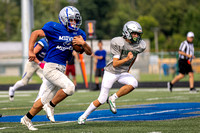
186,54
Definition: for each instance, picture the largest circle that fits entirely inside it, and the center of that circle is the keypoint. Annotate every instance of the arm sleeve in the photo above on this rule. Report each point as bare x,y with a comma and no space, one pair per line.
115,49
142,47
48,29
40,42
95,53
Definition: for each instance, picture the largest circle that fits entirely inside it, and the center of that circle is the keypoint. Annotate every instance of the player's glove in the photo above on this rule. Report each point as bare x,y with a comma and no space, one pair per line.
41,65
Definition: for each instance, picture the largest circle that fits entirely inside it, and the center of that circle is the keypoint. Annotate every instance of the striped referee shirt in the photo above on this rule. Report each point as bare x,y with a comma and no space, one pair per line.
187,48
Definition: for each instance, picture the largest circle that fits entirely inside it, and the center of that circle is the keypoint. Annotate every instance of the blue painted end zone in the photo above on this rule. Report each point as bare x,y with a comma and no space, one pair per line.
161,111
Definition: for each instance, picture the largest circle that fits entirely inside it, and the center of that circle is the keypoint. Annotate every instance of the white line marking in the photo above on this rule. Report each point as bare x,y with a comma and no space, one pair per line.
26,95
152,113
63,122
5,128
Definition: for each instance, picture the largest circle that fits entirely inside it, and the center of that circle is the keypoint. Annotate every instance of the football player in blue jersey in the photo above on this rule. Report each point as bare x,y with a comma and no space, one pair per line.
61,38
35,66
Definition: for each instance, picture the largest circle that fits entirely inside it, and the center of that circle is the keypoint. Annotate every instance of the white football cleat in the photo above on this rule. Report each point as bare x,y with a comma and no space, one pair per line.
11,94
81,120
27,122
49,111
111,104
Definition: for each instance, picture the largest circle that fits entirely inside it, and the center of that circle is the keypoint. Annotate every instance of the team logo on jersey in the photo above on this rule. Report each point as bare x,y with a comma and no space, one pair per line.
66,38
66,43
64,48
125,52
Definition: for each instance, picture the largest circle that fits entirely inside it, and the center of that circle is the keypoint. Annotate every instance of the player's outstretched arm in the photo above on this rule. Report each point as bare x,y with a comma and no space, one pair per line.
34,35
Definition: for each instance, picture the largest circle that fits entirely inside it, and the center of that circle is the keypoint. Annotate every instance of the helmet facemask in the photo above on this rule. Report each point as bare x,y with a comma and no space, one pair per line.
134,39
76,22
132,27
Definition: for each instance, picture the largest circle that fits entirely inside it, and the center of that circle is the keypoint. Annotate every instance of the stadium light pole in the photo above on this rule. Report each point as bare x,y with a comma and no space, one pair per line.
155,30
27,9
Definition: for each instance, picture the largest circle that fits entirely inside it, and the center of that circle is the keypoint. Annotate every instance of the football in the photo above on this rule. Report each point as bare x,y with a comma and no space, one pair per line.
78,48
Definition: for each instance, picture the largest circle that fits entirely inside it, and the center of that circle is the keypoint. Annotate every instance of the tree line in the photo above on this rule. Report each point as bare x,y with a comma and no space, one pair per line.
172,18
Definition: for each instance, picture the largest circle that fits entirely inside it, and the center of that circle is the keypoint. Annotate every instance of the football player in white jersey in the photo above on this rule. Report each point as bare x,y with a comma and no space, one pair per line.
124,52
35,66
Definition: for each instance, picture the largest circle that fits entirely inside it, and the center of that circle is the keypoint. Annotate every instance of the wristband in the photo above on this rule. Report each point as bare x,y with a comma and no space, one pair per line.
41,65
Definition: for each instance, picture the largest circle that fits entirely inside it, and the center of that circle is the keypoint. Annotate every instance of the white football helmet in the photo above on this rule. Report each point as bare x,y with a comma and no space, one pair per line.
72,13
132,26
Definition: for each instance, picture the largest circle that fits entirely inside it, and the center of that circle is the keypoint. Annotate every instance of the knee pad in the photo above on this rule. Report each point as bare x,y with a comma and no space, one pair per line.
133,83
69,90
102,100
103,95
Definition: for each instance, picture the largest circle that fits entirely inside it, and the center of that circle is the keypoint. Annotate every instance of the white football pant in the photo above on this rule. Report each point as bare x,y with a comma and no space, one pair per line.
109,79
29,70
54,79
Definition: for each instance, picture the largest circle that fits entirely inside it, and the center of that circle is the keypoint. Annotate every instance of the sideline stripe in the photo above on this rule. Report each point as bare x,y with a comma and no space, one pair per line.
164,111
149,112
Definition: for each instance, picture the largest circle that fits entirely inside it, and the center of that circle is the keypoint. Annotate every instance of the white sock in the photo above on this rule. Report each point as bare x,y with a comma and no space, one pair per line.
17,85
114,96
89,110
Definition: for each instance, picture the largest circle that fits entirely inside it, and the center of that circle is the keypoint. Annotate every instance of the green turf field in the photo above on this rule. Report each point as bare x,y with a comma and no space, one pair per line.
143,78
80,101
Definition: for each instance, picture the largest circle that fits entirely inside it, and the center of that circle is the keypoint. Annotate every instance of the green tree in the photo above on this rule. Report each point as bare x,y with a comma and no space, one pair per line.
9,20
191,23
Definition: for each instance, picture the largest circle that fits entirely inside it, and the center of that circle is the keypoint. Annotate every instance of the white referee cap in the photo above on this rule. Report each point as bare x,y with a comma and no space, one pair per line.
190,34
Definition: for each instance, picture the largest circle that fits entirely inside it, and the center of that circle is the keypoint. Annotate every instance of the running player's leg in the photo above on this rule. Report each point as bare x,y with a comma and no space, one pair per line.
41,91
62,81
37,106
29,70
39,72
107,82
48,94
55,74
130,84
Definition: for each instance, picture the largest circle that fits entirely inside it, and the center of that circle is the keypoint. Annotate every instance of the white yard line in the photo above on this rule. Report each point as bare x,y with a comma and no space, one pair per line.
151,113
37,125
1,128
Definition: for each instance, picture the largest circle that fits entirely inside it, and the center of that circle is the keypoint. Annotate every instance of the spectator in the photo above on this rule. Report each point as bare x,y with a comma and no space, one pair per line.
70,68
100,63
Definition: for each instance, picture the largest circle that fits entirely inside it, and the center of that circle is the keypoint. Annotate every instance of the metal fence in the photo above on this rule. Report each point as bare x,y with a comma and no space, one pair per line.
162,63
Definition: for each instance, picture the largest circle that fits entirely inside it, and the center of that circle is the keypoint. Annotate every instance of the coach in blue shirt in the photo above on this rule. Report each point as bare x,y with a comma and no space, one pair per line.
100,56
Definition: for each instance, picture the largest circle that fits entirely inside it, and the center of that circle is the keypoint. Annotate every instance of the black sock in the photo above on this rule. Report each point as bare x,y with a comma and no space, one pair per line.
171,84
97,86
52,104
29,116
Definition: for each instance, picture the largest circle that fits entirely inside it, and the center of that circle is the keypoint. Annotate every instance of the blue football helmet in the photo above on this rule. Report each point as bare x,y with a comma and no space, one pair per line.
70,13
